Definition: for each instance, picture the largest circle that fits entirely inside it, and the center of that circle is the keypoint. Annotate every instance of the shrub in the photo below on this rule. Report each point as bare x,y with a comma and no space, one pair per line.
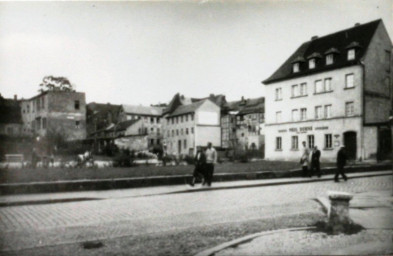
189,159
123,159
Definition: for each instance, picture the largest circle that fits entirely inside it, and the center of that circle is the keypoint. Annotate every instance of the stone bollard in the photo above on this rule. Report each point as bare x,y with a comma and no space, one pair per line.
338,215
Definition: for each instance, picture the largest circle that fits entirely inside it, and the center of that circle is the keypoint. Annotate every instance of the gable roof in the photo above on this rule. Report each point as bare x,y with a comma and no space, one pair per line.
189,108
359,36
142,110
125,124
95,108
247,106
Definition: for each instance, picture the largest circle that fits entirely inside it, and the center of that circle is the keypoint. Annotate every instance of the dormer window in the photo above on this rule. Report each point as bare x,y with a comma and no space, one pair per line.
330,55
295,67
296,64
329,59
351,54
351,50
312,60
311,63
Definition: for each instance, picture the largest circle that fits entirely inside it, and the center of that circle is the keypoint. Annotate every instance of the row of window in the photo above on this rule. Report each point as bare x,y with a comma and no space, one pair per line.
328,142
320,86
319,113
145,130
145,118
39,104
155,142
41,123
181,119
329,60
179,144
182,131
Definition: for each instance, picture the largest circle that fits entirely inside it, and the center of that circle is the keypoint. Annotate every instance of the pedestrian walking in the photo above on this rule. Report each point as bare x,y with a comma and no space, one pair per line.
341,161
211,159
199,170
304,160
315,165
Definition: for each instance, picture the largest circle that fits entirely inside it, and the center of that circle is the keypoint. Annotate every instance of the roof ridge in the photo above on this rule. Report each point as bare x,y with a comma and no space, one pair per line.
343,30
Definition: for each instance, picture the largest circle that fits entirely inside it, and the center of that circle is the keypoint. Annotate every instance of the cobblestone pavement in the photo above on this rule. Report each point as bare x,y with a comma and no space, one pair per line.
42,225
367,242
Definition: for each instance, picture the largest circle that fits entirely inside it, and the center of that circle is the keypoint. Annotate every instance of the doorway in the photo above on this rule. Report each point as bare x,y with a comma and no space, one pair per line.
350,145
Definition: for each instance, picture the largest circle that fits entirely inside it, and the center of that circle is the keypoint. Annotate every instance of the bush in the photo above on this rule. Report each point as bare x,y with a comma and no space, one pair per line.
123,159
189,159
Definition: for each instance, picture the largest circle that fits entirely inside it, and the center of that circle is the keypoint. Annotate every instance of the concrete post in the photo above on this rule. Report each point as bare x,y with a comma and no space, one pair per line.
338,216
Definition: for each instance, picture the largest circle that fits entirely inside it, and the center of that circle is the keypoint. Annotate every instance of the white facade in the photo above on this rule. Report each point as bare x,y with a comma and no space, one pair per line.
320,117
184,132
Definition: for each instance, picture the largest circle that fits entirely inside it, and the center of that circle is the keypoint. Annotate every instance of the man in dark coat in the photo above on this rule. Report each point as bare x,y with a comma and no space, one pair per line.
315,167
341,161
199,170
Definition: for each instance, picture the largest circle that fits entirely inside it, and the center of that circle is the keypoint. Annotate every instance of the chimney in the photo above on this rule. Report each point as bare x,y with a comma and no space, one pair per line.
313,38
15,97
357,24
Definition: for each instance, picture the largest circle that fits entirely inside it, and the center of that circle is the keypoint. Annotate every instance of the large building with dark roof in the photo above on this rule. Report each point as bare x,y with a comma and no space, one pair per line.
332,91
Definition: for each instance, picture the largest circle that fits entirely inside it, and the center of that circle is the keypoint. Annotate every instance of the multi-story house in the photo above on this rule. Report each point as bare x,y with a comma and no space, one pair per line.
151,117
61,112
188,125
333,90
242,124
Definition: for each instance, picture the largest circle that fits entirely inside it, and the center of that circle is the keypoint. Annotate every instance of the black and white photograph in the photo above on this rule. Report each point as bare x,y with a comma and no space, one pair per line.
196,127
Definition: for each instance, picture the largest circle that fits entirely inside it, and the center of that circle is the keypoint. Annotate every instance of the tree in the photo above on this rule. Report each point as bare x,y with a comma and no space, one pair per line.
51,83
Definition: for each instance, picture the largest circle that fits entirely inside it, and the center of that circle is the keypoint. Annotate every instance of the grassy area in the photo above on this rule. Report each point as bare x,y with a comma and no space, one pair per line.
55,174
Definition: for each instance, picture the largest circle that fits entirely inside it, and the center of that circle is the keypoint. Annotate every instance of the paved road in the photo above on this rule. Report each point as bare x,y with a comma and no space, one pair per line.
41,225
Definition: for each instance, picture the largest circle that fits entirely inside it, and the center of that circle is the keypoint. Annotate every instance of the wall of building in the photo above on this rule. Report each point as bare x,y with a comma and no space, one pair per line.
370,142
205,134
336,125
337,97
208,129
378,77
55,111
135,143
177,131
11,129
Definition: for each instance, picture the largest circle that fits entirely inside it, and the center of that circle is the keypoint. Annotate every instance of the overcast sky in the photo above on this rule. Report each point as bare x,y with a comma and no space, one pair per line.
145,52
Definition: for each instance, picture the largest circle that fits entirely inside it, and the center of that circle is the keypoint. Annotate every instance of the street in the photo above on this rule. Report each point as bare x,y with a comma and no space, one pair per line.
166,224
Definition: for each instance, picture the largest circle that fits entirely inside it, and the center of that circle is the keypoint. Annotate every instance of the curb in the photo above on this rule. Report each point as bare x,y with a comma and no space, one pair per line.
106,184
184,191
245,239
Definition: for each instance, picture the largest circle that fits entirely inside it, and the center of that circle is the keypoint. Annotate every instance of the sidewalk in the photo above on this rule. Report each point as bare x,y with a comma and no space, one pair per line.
45,198
372,210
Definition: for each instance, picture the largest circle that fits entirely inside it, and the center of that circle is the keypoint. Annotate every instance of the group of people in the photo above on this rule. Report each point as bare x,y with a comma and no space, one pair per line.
204,165
310,162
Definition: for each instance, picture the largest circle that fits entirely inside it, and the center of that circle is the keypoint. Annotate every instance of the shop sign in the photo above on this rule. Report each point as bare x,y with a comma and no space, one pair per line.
322,128
301,129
